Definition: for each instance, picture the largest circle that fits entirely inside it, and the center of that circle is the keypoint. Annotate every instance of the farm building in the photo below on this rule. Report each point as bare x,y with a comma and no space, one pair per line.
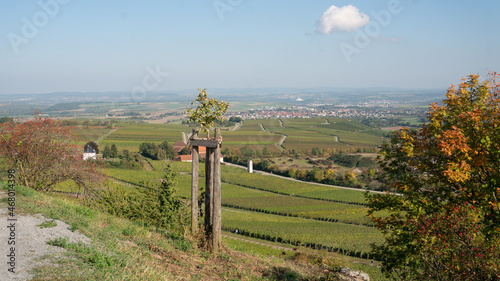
178,146
89,153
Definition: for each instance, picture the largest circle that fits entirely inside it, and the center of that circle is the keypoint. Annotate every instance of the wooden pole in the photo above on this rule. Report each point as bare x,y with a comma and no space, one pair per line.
216,215
209,186
194,186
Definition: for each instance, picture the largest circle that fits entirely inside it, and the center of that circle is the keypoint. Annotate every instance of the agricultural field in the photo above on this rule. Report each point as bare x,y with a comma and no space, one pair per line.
250,198
285,186
85,134
250,134
301,134
345,237
239,177
336,133
296,222
261,204
130,136
245,198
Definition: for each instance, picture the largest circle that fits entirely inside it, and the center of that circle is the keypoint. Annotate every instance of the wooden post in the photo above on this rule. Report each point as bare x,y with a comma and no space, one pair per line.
209,187
212,188
194,185
216,214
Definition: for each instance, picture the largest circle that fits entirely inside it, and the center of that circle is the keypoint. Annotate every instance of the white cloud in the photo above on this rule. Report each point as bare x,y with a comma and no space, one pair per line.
347,18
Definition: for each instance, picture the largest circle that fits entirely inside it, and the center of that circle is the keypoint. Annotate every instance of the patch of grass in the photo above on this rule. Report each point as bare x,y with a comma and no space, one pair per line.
256,248
47,224
74,226
86,253
180,242
24,191
283,273
58,242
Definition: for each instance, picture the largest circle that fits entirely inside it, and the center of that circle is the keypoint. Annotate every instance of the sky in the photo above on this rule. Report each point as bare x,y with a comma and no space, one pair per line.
141,46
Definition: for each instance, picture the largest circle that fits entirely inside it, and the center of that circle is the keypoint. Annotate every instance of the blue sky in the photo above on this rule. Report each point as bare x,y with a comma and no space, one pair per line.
80,46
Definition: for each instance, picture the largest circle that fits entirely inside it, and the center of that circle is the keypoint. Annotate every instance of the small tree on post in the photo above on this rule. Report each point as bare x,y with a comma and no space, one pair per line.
207,112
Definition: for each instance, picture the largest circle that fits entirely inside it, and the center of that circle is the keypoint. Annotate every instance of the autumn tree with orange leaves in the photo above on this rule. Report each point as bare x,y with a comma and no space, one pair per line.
43,153
444,220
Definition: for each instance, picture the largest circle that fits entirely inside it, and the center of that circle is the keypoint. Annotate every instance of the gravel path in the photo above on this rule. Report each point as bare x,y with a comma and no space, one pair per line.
31,248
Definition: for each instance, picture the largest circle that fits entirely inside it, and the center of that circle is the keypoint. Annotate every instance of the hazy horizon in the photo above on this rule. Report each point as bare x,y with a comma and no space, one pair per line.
52,46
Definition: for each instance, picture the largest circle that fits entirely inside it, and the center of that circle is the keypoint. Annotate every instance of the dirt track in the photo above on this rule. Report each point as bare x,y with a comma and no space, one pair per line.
30,249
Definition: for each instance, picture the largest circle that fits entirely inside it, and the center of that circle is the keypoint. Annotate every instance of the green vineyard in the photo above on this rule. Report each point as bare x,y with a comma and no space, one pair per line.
347,239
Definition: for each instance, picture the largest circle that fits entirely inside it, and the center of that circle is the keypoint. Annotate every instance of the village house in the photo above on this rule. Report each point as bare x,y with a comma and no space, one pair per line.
89,153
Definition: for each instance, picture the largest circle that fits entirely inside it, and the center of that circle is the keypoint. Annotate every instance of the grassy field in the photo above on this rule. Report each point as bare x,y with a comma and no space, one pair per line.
333,234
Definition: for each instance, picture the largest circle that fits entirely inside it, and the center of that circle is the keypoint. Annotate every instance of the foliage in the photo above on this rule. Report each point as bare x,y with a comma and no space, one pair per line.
156,152
106,153
93,145
346,160
155,203
447,170
43,154
207,111
185,151
114,151
5,119
449,244
127,161
110,152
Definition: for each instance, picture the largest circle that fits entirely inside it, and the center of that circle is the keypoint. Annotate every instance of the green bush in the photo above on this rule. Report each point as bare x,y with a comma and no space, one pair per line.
156,204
